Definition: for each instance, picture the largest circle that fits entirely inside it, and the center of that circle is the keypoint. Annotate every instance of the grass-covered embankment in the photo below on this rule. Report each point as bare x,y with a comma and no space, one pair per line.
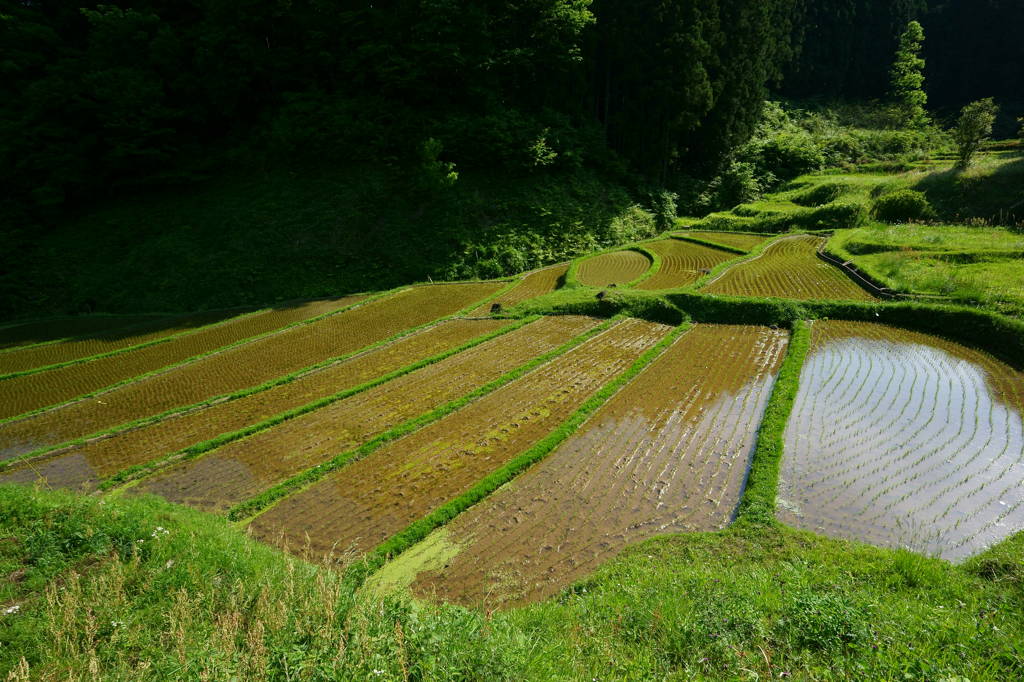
196,597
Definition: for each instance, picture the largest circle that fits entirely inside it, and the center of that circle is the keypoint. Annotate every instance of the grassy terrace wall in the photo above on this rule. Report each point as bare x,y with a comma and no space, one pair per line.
997,334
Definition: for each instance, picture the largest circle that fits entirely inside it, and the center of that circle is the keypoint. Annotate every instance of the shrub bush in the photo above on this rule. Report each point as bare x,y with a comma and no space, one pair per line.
837,216
903,206
821,195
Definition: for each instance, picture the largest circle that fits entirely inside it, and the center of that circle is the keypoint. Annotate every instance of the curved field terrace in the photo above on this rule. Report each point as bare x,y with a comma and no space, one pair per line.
668,453
905,440
747,242
85,465
788,268
535,284
106,341
244,468
242,366
618,268
370,500
682,263
69,329
22,394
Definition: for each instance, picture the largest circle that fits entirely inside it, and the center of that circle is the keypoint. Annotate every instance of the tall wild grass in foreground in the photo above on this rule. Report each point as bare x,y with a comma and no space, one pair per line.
138,589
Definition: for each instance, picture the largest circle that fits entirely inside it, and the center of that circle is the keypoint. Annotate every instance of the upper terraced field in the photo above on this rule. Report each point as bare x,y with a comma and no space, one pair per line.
493,460
788,268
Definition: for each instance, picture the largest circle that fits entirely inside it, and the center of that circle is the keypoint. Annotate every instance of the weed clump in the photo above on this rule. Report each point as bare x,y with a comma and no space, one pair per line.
903,206
817,621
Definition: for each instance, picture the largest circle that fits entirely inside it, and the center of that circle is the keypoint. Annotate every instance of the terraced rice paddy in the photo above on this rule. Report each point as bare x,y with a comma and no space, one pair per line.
789,268
618,268
30,392
669,453
371,499
535,284
66,328
747,242
85,466
682,263
904,439
243,366
245,468
96,343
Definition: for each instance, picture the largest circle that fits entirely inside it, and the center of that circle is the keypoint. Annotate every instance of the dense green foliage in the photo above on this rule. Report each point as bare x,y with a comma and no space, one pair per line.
902,206
113,96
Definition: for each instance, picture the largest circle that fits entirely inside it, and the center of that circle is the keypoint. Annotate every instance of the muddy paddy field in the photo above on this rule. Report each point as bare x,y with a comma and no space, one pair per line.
335,426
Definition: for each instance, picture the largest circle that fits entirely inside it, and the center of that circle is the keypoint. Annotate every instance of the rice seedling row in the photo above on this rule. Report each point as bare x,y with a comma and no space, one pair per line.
905,439
747,242
244,468
532,285
682,263
89,463
618,268
23,335
23,394
371,499
244,365
49,356
788,268
668,453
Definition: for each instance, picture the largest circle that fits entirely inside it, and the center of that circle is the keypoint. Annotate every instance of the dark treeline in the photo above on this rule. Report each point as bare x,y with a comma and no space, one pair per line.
974,49
97,99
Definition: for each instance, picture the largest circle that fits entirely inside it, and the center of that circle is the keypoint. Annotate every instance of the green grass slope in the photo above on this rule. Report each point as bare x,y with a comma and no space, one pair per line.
140,589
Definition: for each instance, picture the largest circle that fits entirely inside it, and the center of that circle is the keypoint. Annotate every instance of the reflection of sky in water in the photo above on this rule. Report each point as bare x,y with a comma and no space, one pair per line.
902,444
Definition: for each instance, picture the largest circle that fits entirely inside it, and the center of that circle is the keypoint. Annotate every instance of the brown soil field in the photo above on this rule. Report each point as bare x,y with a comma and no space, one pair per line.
365,503
619,268
533,285
84,466
682,263
31,392
244,468
669,453
747,242
16,360
45,331
788,268
904,439
243,366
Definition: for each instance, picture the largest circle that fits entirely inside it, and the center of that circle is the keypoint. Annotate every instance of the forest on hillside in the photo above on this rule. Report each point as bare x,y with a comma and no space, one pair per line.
103,99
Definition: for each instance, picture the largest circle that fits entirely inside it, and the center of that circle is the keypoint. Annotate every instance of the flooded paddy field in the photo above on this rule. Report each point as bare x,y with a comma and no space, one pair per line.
904,439
682,263
26,393
618,267
244,468
789,268
84,466
668,453
19,360
368,501
535,284
748,242
240,367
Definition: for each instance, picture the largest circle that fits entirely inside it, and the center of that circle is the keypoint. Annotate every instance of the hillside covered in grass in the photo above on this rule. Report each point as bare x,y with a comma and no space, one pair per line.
140,589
